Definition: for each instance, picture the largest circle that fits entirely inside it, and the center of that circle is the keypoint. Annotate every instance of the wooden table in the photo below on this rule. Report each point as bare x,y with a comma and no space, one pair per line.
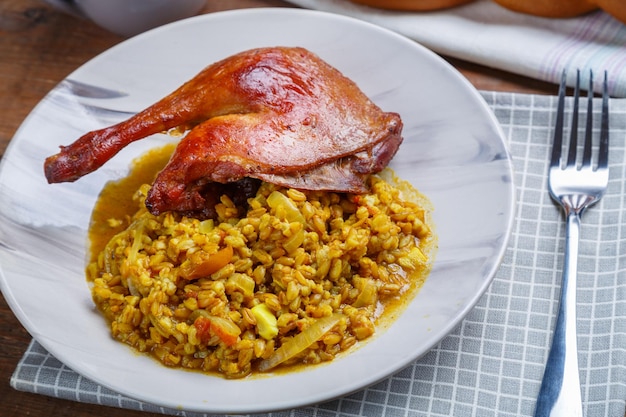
40,46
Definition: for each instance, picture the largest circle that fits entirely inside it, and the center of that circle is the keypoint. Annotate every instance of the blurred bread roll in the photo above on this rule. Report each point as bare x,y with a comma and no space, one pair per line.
415,5
543,8
550,8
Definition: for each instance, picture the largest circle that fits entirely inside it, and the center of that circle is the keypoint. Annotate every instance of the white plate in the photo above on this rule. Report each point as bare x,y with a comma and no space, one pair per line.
453,152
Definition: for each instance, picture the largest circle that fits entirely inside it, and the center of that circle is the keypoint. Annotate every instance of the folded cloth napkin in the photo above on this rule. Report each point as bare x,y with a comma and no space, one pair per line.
493,362
486,33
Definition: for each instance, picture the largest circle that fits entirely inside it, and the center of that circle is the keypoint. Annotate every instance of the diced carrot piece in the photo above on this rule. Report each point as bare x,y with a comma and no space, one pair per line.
203,265
226,330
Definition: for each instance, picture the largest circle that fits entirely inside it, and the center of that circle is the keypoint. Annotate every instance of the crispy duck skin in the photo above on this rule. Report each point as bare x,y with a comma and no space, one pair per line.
276,114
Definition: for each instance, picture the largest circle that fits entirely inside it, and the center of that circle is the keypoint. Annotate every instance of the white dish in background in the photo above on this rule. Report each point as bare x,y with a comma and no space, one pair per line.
453,152
130,17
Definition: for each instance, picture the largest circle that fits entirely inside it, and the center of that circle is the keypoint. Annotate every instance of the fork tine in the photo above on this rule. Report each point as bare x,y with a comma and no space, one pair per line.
573,141
603,157
589,125
557,143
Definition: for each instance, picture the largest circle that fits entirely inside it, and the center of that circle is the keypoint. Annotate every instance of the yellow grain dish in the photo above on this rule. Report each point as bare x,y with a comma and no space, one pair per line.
298,279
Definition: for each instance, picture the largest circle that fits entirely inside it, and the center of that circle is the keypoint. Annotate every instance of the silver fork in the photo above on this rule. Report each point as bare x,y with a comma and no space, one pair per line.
575,183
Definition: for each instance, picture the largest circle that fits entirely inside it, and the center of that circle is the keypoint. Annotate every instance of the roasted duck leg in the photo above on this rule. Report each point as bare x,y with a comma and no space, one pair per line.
276,114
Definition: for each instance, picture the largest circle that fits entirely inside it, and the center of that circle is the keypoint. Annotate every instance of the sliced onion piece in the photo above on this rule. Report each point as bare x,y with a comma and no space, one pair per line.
301,341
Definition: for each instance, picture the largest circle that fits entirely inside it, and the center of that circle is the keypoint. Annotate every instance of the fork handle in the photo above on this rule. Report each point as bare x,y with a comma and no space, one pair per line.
560,394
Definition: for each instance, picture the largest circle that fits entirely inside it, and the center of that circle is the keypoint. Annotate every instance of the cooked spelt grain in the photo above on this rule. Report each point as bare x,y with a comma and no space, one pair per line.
304,255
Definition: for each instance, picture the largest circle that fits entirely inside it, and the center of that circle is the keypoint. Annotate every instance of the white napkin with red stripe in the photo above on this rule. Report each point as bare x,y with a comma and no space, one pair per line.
486,33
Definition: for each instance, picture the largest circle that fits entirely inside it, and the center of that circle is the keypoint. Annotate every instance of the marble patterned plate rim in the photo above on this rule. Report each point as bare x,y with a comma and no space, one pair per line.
454,151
